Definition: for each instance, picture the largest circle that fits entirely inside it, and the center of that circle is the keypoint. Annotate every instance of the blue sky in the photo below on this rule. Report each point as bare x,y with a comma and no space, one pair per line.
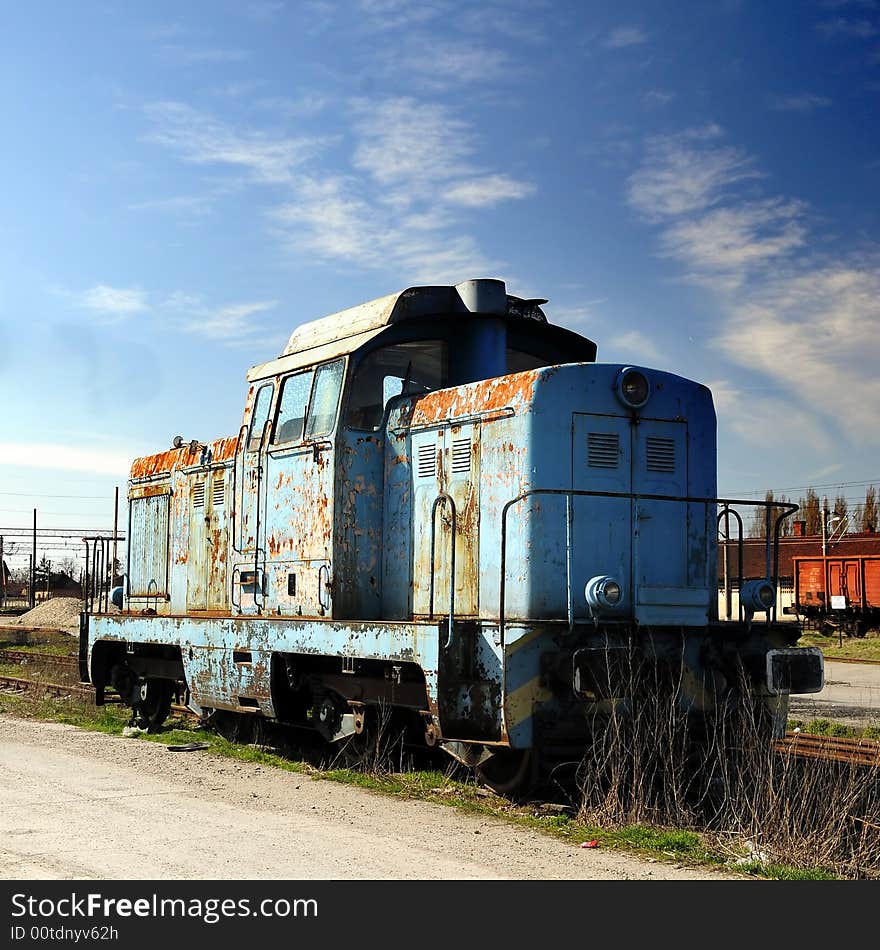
692,185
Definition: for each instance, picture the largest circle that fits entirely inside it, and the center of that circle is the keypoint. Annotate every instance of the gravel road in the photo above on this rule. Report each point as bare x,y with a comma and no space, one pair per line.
89,806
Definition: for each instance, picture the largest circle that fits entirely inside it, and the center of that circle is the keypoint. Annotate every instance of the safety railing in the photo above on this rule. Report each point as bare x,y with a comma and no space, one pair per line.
443,499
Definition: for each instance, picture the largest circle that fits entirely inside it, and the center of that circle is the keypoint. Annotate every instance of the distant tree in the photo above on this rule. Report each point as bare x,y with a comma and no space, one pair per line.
869,510
68,566
758,526
811,512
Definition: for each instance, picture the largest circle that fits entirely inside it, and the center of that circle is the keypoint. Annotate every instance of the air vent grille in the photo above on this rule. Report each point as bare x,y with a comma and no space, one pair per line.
427,461
661,454
198,495
218,491
461,456
603,449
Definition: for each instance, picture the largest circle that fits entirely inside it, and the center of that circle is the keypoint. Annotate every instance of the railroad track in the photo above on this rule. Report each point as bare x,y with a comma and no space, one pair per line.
20,686
26,657
833,748
804,745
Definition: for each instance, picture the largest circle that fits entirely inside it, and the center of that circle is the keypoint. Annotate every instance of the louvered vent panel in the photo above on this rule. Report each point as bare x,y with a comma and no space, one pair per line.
661,454
198,495
603,449
427,461
218,492
461,456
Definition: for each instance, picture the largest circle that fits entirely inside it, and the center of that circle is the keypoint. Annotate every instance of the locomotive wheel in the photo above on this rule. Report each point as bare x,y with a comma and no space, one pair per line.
508,771
153,703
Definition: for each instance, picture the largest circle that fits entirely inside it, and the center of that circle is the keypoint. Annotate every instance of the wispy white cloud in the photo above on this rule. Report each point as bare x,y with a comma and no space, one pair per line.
402,202
856,28
189,205
635,344
803,103
387,15
815,331
230,324
624,36
728,242
658,97
804,323
487,190
118,302
191,56
439,65
335,221
304,106
687,172
739,410
409,145
203,140
264,10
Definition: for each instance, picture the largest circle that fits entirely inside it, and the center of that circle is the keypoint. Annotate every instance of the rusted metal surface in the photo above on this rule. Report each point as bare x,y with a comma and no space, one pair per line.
833,748
173,460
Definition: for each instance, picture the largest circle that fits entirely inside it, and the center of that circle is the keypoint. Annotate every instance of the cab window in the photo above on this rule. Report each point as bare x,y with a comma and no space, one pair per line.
259,416
403,368
292,407
325,399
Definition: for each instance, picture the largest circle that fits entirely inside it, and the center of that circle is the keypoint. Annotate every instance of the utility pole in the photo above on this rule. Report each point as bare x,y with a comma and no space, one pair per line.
825,526
115,524
33,584
2,575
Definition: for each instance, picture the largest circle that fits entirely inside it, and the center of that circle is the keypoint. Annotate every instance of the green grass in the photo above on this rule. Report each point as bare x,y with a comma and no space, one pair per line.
847,648
828,727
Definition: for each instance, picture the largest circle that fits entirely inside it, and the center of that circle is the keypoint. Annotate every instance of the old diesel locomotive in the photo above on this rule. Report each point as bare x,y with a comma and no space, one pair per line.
439,503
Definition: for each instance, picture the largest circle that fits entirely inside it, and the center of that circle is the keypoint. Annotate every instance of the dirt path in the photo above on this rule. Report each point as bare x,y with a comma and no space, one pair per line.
85,805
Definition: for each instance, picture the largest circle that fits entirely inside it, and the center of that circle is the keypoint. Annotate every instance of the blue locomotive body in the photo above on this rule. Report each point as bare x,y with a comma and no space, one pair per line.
439,503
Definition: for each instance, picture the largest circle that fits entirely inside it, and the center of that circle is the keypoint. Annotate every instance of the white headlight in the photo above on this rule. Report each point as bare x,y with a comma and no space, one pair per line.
603,592
632,387
757,595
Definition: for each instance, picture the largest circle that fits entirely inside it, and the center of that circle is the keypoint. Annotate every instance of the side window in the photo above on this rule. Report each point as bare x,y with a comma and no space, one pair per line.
292,406
259,416
325,399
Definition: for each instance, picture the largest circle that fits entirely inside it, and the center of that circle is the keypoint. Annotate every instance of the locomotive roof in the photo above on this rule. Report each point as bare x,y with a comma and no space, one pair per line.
345,331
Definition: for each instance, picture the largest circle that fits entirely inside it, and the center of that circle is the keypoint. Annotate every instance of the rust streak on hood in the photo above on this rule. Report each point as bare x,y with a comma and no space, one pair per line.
165,462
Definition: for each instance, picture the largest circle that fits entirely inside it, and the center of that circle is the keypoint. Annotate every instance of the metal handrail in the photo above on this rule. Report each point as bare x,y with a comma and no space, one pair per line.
257,494
443,498
245,428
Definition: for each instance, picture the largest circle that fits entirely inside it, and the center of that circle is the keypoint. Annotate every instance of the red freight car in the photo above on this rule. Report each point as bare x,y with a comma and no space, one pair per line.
845,589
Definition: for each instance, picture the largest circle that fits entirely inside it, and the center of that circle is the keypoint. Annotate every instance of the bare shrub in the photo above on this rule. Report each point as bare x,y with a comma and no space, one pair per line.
651,761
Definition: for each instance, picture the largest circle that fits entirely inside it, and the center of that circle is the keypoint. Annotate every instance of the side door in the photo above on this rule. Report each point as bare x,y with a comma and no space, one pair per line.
208,542
853,579
248,580
601,461
446,464
660,531
196,560
300,475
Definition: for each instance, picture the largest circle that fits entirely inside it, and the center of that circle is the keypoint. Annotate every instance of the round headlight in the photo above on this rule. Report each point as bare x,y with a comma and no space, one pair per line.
611,590
757,595
603,592
633,388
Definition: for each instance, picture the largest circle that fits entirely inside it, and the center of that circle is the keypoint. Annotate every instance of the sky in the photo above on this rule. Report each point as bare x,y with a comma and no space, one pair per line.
691,185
